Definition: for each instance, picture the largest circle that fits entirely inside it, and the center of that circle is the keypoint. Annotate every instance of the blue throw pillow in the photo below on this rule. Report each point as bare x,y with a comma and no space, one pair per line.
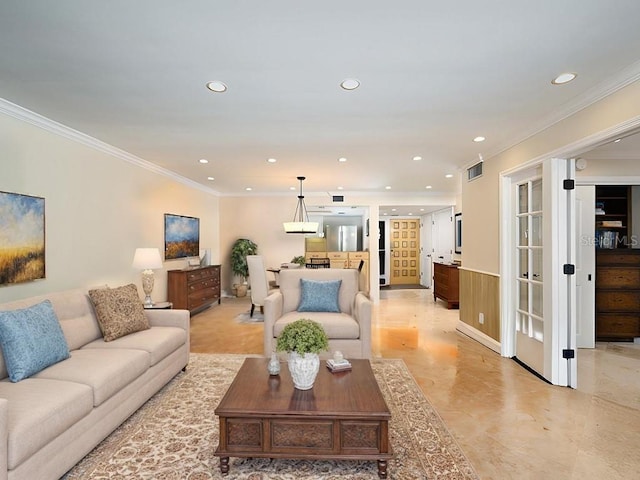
31,340
319,296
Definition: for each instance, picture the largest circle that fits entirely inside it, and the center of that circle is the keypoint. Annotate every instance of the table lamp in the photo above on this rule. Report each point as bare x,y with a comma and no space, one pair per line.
147,259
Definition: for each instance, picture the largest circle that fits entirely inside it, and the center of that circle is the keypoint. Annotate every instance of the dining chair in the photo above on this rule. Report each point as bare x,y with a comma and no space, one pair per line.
258,281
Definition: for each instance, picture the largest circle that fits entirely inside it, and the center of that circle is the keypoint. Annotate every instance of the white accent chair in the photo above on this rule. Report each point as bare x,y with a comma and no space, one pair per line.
348,330
259,282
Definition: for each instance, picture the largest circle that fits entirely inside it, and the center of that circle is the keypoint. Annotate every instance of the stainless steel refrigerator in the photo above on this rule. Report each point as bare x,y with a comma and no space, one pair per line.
342,238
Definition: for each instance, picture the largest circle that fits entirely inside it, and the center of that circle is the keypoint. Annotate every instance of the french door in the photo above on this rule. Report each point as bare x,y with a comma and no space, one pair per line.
530,278
538,284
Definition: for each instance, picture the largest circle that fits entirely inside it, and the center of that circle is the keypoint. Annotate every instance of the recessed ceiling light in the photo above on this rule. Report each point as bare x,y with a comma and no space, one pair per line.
417,158
271,160
385,213
479,138
564,78
203,160
448,175
342,159
428,187
410,213
292,188
248,189
388,187
340,188
210,179
617,140
422,209
393,209
217,86
350,83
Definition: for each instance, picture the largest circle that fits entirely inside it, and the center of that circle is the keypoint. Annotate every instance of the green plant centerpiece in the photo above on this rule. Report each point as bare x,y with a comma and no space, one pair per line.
239,251
300,260
303,339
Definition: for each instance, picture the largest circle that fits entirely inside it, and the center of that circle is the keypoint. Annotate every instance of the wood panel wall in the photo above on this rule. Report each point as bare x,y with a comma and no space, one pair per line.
480,293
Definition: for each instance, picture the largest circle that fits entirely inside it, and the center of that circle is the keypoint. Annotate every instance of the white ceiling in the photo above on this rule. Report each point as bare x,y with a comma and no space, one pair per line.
434,75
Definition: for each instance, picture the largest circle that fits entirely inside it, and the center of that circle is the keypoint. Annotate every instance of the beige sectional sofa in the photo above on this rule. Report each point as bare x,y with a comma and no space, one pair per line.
348,325
53,418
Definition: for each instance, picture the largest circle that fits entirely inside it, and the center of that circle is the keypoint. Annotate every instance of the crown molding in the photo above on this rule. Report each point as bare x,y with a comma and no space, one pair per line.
51,126
630,155
580,146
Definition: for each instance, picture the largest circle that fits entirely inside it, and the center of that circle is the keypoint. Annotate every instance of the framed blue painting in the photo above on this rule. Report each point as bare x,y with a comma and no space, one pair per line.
22,238
181,236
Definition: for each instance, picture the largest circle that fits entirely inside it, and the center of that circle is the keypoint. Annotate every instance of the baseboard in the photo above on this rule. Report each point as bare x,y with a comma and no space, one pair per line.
478,336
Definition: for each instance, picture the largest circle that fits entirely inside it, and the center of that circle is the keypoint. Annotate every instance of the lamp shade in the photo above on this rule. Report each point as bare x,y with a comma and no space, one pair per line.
300,222
147,259
300,227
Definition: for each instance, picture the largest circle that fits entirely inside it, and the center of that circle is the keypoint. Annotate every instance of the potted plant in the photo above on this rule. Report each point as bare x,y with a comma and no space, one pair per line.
299,260
303,340
239,251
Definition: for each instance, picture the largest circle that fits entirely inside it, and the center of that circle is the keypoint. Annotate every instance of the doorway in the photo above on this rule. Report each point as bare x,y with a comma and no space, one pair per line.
537,268
405,250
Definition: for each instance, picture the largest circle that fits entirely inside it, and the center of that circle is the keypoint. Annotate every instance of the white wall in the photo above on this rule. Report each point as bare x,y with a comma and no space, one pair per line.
480,198
98,209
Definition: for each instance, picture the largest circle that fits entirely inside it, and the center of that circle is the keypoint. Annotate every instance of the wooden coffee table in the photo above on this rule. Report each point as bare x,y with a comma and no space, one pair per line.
343,416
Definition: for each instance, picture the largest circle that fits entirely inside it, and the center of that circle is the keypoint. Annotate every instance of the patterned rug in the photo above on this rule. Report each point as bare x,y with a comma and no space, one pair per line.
174,435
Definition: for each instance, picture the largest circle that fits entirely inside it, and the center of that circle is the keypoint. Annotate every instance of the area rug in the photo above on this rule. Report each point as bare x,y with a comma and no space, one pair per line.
174,435
246,318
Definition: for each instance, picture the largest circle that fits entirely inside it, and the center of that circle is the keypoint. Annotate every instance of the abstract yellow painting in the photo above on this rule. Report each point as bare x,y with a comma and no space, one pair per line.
22,238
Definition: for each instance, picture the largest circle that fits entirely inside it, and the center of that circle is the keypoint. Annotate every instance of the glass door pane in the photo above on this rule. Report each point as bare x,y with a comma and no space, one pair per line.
529,250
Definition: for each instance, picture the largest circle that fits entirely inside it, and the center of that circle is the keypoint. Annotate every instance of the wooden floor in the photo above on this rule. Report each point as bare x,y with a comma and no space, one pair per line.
510,424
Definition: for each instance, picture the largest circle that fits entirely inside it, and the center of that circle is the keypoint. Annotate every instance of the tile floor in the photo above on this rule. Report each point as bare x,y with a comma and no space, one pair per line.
510,424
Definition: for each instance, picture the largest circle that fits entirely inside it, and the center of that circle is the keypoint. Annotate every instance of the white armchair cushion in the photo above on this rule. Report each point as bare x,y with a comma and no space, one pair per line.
336,325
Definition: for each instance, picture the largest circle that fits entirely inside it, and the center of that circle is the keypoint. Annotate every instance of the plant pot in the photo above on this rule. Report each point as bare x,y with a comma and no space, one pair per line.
303,369
241,290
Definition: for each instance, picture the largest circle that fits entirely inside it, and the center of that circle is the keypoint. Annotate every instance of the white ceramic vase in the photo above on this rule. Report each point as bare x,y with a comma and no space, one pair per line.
303,369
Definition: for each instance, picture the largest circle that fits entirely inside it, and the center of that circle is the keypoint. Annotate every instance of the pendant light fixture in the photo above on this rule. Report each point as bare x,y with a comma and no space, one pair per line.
300,223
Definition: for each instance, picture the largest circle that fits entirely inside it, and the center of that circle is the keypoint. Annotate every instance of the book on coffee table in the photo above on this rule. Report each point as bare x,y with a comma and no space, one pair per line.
338,366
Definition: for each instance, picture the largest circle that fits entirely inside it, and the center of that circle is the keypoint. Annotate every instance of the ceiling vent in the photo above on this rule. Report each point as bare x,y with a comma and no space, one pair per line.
338,198
475,171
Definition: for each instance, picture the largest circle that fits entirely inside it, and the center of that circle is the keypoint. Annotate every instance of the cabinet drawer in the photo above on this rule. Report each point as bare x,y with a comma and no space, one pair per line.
339,263
627,257
441,289
356,263
618,277
358,256
199,275
200,298
337,256
201,285
617,301
611,325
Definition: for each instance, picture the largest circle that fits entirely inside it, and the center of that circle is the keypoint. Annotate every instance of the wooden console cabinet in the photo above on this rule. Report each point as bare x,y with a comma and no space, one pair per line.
617,294
446,285
194,289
